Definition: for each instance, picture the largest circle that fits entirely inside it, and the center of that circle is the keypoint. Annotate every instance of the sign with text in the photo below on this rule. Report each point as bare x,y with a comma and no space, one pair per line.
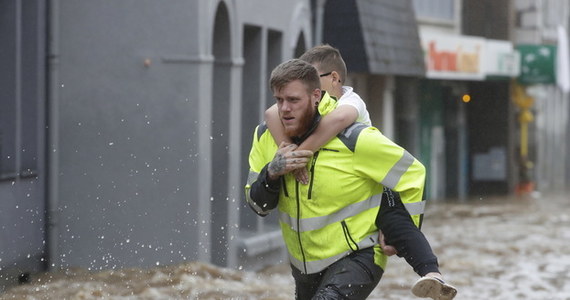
454,57
501,59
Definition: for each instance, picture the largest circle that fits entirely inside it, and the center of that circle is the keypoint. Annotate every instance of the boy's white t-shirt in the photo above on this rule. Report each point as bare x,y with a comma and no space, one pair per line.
349,97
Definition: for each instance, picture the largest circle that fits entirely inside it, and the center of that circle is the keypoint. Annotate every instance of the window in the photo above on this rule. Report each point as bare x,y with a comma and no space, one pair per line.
10,31
439,10
22,87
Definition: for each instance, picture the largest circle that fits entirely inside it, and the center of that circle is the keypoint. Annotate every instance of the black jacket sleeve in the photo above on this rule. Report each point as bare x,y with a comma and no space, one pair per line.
264,193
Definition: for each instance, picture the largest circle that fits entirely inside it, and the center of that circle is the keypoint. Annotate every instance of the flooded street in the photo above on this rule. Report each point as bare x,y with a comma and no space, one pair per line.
515,248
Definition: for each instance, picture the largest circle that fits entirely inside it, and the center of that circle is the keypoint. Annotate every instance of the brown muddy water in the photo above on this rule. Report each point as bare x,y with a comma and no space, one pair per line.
500,248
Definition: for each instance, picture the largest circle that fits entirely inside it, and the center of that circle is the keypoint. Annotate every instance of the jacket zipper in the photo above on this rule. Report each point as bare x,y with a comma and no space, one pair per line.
312,170
285,192
299,225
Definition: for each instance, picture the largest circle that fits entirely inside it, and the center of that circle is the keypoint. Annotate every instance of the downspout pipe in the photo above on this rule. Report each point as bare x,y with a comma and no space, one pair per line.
52,131
319,21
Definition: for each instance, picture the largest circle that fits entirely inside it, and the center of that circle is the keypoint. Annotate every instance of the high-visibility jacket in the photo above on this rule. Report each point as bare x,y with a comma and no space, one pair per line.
334,215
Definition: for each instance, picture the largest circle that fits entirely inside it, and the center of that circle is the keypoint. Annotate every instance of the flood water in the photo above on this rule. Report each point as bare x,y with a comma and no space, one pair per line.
489,248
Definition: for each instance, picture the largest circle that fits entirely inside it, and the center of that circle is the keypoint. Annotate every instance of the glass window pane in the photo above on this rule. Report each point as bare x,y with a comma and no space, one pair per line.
435,9
8,52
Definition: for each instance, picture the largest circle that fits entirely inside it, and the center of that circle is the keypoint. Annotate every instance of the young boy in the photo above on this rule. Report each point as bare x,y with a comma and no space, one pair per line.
393,219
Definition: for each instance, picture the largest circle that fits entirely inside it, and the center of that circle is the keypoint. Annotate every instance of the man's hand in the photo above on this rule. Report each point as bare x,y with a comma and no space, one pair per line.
387,249
302,175
287,159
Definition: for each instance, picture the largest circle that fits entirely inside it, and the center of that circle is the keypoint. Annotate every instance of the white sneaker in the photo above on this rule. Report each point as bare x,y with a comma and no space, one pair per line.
434,288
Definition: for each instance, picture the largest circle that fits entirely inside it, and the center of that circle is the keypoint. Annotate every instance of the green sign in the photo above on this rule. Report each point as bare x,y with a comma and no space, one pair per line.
537,64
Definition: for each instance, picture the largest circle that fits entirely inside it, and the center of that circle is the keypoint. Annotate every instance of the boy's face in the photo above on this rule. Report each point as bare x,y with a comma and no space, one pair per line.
296,107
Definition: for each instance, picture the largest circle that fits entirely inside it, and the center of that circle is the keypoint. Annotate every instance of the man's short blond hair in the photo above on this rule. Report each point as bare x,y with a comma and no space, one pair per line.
294,69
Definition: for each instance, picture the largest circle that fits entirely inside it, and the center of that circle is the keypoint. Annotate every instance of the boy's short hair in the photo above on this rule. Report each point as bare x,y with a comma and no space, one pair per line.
327,59
295,69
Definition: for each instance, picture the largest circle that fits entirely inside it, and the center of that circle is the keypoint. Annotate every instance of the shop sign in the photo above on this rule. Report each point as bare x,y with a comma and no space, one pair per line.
537,64
454,57
502,60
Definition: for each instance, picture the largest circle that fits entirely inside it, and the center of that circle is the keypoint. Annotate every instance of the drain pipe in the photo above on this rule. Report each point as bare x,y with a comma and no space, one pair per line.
52,135
319,21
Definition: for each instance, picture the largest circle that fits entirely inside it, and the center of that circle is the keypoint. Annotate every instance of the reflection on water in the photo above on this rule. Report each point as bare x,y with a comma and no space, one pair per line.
508,248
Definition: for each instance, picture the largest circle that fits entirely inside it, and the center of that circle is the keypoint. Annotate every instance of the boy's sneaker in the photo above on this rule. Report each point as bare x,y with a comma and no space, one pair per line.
434,288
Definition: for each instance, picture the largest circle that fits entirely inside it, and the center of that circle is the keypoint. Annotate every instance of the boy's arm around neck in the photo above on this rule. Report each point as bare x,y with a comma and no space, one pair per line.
331,124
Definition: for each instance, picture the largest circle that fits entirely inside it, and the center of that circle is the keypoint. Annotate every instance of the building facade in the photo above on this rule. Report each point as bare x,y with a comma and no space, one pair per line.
466,112
543,26
125,127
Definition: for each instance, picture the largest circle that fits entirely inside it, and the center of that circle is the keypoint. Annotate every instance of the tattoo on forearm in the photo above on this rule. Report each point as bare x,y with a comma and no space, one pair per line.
277,166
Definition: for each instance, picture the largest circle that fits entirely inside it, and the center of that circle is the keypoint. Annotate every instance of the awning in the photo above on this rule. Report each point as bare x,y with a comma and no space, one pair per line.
375,36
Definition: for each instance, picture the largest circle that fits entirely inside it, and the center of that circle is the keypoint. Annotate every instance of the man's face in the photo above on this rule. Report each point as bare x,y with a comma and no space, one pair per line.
296,107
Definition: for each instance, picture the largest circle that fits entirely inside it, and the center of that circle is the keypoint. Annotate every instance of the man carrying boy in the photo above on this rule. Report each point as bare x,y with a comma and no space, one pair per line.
400,229
329,224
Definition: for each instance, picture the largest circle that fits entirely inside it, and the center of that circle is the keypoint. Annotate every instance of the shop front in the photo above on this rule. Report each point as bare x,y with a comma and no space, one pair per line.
466,116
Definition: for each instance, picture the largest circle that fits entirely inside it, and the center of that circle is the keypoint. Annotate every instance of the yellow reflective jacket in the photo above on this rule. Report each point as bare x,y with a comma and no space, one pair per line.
334,215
